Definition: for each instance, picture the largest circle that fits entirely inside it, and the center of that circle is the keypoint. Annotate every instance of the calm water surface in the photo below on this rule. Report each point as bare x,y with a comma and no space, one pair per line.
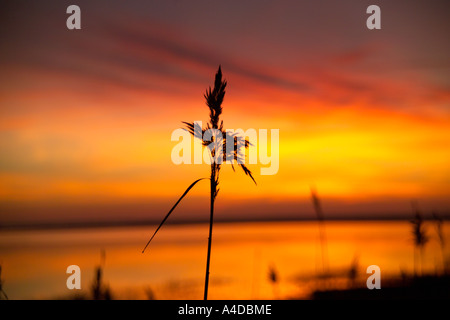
34,262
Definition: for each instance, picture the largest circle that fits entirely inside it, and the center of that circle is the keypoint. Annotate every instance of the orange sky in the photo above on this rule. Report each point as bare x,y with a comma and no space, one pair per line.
86,116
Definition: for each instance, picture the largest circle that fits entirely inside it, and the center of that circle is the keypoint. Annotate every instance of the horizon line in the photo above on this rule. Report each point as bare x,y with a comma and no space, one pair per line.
147,222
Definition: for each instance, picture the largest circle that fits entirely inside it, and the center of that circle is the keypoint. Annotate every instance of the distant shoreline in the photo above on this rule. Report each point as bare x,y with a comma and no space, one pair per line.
136,223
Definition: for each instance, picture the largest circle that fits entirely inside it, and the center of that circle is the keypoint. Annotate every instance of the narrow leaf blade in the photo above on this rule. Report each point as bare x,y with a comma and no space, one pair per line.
173,208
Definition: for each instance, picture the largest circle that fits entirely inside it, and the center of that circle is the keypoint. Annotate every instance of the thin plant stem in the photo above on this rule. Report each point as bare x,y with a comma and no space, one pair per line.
211,220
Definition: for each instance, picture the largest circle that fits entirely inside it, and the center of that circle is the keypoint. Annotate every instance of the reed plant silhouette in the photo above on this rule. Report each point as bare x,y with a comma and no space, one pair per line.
2,292
420,237
438,221
322,232
353,272
220,151
100,291
274,280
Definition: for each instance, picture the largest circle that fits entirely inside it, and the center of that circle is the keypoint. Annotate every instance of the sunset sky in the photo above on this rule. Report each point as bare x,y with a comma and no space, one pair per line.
86,116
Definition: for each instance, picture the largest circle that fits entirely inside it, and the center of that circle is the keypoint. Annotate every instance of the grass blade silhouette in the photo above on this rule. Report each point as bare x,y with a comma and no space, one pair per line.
173,208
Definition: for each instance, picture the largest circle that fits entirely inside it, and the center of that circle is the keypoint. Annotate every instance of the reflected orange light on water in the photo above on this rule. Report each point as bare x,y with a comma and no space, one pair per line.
34,262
